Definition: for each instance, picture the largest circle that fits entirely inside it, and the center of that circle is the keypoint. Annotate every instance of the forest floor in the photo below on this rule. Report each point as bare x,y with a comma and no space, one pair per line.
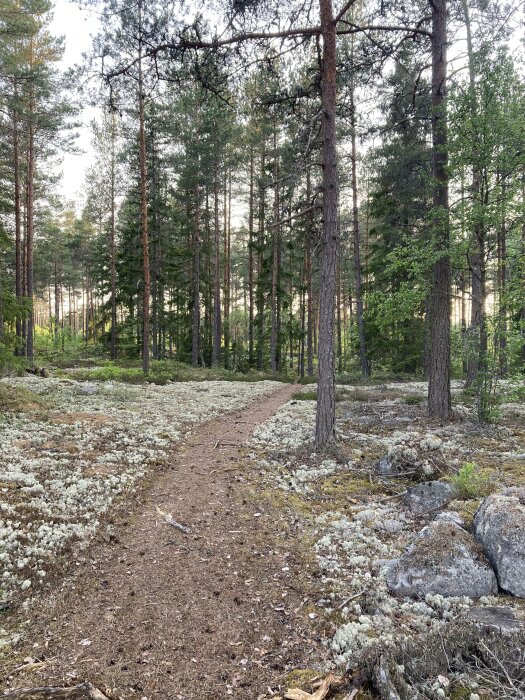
278,578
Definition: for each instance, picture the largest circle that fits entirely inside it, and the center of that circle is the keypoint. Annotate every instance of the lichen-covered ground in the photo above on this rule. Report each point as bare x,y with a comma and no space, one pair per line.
71,448
354,518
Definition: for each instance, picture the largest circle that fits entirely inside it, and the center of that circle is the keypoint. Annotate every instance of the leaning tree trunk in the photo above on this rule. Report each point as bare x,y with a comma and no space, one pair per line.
440,296
325,418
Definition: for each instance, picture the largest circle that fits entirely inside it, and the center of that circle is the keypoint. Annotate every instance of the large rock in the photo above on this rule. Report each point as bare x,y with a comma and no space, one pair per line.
428,496
499,526
443,559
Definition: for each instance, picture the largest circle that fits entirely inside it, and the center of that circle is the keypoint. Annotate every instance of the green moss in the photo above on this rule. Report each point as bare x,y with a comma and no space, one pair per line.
305,396
18,399
460,693
342,485
414,399
301,678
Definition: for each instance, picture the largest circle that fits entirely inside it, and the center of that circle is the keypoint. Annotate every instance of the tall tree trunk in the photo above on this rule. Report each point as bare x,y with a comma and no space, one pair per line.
227,247
217,325
18,214
57,305
522,274
274,337
250,262
112,244
363,354
260,261
309,283
477,261
325,417
502,283
143,208
196,320
338,327
30,180
439,399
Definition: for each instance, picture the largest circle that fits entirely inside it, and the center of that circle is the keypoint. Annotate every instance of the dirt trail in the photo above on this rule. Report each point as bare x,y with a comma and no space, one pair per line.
159,614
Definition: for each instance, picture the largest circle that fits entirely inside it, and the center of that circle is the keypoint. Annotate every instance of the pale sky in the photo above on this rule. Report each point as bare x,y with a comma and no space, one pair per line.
77,26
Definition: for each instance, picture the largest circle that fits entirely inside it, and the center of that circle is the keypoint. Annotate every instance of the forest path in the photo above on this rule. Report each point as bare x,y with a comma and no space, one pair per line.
159,614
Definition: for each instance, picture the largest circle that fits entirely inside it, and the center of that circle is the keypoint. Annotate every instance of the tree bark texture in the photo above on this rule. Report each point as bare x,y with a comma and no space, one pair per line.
439,399
325,416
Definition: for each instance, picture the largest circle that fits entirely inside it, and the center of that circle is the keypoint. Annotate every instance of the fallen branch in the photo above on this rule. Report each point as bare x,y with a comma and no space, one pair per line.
352,597
320,693
84,691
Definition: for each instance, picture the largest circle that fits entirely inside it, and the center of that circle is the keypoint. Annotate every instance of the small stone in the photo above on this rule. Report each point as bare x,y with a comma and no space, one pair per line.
450,516
428,496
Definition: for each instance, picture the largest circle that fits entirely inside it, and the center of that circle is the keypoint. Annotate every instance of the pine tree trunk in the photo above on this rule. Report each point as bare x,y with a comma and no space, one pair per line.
502,284
274,364
309,284
113,247
260,260
325,417
217,325
439,399
143,210
30,179
18,214
250,263
227,244
477,257
196,320
57,305
363,354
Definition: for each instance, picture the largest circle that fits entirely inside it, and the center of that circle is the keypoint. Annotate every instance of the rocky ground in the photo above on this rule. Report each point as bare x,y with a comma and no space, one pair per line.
363,507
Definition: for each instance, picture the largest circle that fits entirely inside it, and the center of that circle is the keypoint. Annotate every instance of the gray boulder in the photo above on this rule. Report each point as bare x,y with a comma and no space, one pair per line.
499,526
444,559
428,496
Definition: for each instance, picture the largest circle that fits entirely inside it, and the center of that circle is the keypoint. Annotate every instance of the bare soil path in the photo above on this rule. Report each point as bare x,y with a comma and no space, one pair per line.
158,614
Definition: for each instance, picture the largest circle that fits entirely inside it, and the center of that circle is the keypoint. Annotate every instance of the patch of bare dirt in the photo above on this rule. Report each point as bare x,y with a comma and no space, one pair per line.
72,418
160,614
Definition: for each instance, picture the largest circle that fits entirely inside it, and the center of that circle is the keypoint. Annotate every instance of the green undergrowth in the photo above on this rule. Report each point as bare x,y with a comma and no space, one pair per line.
472,481
163,371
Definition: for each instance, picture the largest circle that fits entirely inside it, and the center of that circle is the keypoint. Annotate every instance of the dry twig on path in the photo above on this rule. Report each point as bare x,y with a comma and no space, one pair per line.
168,519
